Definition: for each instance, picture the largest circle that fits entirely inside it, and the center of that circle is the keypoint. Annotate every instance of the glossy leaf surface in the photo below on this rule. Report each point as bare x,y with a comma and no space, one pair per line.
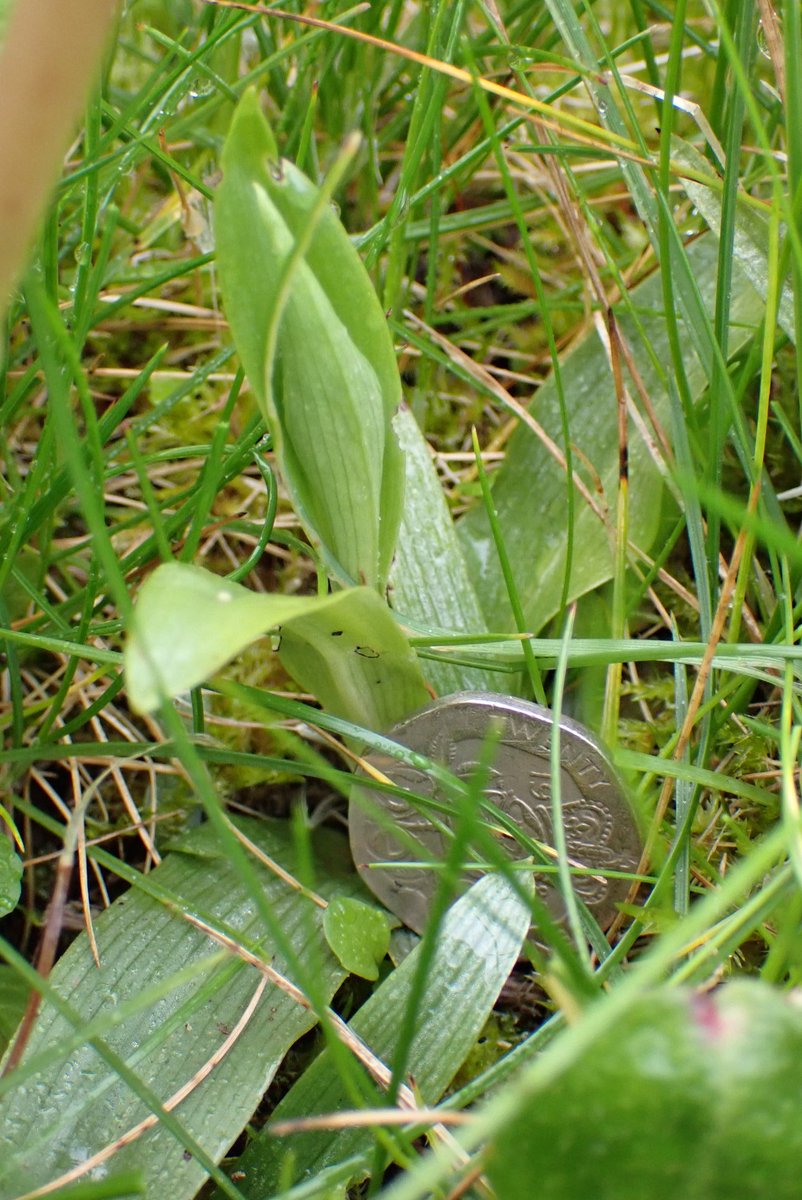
478,943
430,583
76,1104
10,875
358,933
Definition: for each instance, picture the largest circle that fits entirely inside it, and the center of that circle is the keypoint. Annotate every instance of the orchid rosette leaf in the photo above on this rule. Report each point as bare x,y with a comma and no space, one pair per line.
315,345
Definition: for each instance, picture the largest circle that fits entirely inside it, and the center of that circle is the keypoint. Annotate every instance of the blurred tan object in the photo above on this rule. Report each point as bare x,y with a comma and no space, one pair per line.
48,62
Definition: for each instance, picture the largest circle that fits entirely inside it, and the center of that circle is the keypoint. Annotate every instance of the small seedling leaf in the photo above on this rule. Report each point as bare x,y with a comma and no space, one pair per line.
14,993
359,935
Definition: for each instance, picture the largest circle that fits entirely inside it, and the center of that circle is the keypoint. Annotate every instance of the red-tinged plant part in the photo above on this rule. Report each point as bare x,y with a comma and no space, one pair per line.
693,1095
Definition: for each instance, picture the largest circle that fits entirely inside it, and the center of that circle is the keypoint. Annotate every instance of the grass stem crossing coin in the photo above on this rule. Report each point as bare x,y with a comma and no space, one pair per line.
600,831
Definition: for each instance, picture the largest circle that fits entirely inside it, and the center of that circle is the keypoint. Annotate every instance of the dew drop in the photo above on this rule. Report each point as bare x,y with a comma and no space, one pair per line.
201,87
400,207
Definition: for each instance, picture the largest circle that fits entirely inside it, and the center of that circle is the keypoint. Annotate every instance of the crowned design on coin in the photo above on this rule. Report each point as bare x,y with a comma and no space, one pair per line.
600,830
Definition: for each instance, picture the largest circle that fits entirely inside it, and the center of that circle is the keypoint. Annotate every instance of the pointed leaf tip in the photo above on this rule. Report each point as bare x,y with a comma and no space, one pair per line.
314,342
188,623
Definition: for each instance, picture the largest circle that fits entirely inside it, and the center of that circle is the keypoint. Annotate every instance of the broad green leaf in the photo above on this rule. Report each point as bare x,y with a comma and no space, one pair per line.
10,875
352,655
694,1095
358,933
530,488
477,946
429,584
330,393
14,993
75,1104
346,648
751,236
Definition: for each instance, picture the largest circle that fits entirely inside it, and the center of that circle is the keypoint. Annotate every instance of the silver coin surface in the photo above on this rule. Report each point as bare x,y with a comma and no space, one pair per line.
600,831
